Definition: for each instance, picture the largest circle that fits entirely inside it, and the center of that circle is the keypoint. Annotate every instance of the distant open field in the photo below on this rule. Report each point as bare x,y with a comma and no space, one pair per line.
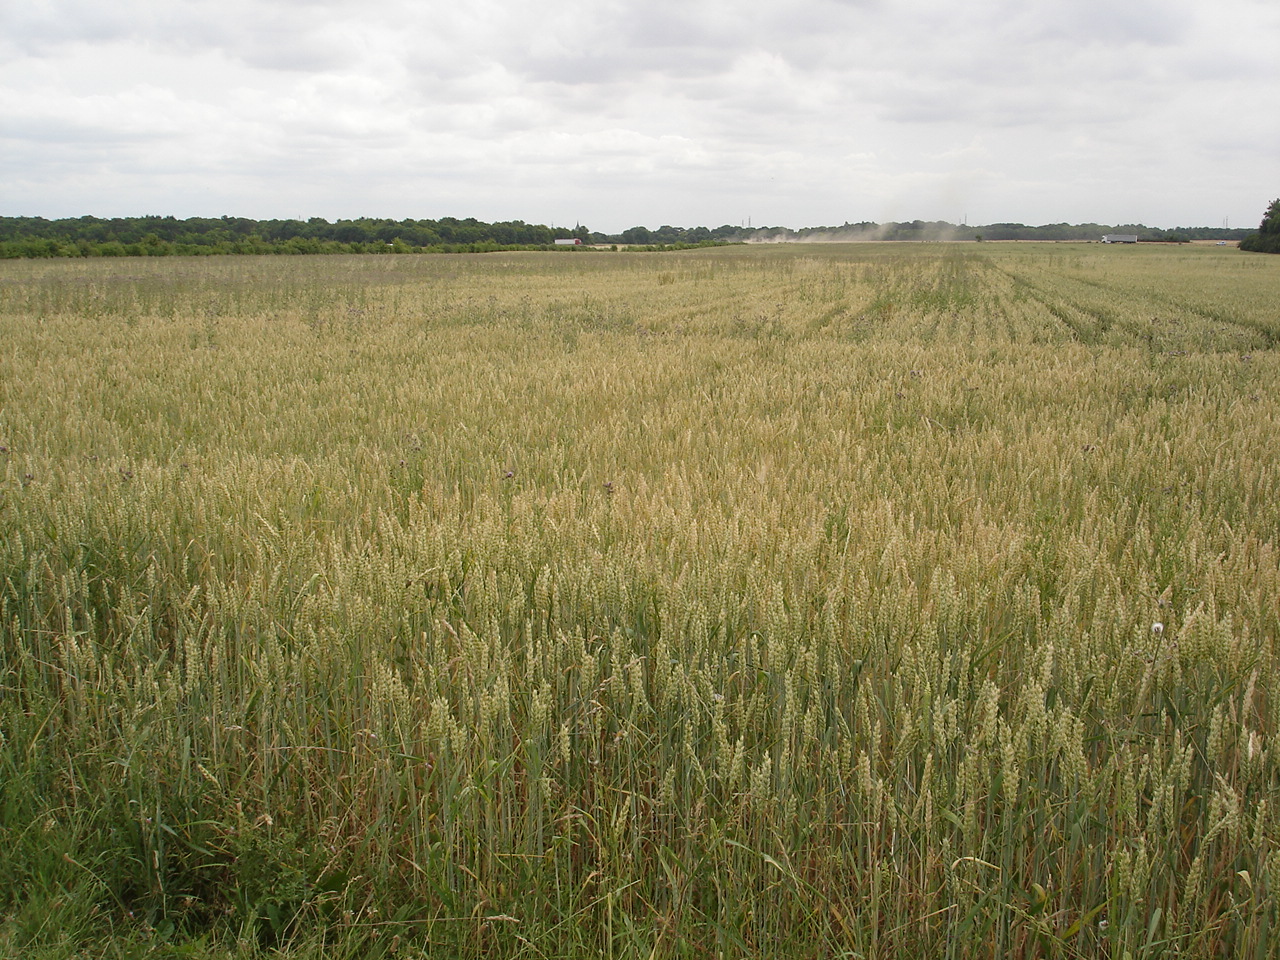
914,600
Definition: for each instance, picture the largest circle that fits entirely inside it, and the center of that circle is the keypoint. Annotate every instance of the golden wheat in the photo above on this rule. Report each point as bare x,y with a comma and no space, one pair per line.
795,601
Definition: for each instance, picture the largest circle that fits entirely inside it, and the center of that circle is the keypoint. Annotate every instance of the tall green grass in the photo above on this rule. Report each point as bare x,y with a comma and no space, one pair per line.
860,600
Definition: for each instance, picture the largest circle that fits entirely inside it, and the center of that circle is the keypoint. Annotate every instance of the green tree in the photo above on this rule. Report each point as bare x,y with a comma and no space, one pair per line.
1267,239
1271,219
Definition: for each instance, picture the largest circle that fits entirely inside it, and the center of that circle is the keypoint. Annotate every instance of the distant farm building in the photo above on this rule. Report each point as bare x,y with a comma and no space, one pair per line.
572,242
1115,238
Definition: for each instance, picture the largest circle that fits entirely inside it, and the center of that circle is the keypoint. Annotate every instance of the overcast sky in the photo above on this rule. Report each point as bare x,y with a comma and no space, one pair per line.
614,113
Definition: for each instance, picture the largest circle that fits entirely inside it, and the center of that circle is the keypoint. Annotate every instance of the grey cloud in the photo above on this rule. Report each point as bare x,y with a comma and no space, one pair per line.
707,104
35,28
1149,22
680,41
292,35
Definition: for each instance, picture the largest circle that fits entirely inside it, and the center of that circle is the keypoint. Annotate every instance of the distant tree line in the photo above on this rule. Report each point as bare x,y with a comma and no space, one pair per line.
916,230
1267,239
169,236
923,230
165,236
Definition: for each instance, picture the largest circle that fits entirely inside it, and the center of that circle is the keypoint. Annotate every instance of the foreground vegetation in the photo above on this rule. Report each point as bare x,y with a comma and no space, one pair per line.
802,602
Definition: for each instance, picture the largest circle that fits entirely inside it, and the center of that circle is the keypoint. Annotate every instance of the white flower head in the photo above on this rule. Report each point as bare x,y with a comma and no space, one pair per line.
1157,628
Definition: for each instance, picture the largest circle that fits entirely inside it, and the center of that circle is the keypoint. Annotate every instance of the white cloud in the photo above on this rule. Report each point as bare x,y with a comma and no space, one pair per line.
620,111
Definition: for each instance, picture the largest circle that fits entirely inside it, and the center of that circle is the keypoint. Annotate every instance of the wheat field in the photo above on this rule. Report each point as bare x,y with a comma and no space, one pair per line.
914,600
